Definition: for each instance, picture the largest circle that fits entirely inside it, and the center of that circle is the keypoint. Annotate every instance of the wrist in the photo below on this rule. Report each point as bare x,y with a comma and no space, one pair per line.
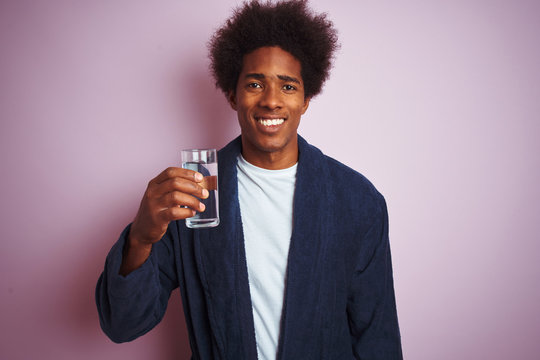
135,254
136,246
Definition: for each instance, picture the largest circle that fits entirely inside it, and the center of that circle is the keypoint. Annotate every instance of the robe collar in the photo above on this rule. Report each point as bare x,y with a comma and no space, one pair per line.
222,265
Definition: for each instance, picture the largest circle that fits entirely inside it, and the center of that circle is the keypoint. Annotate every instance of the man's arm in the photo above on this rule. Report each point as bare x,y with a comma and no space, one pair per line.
172,195
133,291
129,306
371,307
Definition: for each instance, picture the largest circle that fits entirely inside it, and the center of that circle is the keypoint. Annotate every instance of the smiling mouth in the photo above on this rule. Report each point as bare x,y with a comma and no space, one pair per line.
270,122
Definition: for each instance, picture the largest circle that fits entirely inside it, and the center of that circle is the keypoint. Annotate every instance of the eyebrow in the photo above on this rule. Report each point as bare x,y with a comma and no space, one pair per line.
281,77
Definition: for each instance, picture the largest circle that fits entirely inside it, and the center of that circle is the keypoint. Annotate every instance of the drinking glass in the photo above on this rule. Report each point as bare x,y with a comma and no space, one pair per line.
204,161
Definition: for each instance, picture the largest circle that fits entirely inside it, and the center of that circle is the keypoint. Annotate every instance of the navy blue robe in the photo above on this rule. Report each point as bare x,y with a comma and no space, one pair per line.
339,295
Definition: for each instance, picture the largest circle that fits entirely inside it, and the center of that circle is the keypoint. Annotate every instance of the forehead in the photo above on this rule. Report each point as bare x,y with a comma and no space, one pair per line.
271,61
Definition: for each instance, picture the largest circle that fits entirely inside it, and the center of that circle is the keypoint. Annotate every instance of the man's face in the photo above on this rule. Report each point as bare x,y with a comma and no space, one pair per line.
269,100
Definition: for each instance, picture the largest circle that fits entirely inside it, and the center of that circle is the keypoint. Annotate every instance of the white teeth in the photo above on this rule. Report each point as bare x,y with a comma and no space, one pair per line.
269,122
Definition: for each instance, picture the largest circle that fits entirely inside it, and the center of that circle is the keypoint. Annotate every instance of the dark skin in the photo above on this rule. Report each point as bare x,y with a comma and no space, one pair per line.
161,204
270,89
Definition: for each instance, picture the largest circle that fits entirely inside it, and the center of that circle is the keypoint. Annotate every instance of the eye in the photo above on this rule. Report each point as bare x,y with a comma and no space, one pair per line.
289,87
254,85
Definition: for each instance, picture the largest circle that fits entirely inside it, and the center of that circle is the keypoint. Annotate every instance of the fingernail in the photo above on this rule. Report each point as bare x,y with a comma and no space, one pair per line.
205,193
198,177
202,207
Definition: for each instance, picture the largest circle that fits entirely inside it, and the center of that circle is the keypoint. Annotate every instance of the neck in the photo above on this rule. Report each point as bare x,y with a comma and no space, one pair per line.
271,160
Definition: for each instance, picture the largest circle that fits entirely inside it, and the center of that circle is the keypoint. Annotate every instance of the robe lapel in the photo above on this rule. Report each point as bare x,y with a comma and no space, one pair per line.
222,267
300,317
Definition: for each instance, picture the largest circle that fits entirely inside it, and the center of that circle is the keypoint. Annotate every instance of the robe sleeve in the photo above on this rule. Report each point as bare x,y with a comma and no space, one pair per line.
130,306
371,306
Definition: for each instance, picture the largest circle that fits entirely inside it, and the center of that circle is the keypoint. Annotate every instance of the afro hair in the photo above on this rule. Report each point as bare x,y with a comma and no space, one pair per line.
290,25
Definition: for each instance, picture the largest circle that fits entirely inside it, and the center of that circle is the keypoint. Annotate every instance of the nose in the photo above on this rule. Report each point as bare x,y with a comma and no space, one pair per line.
271,98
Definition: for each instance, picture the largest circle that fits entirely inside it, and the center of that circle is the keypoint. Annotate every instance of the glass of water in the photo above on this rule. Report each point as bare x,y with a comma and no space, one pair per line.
204,161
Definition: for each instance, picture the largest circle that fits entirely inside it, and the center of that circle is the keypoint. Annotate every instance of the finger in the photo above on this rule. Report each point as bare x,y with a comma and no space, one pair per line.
176,198
176,213
173,172
181,185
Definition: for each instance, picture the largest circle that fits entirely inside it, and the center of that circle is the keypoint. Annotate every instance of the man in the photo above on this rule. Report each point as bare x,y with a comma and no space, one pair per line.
299,267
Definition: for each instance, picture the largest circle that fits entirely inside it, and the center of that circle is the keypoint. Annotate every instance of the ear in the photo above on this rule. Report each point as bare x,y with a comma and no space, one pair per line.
306,105
231,98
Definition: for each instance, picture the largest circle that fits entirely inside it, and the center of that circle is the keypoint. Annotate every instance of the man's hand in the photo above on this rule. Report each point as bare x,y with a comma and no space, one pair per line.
172,195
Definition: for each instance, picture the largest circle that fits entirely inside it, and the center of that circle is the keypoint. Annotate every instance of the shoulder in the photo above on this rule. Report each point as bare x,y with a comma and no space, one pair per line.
352,186
350,189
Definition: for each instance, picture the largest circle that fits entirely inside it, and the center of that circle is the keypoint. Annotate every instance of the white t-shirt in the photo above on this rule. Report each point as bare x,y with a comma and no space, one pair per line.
266,207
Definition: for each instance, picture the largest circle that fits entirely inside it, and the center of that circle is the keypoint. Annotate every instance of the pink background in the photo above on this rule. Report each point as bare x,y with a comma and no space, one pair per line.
436,102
